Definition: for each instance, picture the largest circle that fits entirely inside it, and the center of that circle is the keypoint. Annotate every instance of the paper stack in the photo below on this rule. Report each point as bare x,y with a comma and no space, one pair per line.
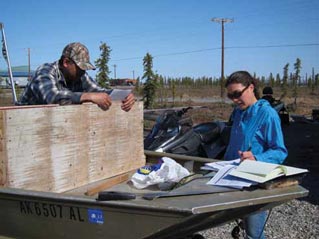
247,173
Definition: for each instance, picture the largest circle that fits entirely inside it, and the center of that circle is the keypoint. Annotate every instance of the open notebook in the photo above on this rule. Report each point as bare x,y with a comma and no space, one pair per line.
261,172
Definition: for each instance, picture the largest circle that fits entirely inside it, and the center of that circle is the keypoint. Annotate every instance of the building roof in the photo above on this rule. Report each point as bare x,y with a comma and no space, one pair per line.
17,71
15,74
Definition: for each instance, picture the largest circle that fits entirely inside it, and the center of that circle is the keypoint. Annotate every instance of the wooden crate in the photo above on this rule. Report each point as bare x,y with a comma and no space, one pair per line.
58,148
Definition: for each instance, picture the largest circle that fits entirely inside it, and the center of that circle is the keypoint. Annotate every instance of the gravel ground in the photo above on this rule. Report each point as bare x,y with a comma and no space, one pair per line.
296,219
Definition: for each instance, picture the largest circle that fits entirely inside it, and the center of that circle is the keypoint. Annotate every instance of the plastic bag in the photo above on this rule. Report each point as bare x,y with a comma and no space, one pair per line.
166,171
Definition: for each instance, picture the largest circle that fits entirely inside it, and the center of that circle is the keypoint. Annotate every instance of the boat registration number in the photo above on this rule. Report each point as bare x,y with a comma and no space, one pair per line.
51,210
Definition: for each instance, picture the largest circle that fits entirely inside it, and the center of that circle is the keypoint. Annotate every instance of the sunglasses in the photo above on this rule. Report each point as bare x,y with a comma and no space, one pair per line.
236,94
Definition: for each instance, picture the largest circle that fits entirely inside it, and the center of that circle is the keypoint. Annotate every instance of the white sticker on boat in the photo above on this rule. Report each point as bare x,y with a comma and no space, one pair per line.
96,216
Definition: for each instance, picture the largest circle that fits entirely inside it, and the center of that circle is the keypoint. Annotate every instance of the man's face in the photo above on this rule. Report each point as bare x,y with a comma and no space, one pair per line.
73,72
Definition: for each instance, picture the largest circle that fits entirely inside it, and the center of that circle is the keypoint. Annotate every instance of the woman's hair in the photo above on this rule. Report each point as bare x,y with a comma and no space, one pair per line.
244,78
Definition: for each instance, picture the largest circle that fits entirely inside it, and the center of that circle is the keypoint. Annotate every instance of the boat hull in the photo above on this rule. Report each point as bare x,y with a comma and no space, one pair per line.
31,214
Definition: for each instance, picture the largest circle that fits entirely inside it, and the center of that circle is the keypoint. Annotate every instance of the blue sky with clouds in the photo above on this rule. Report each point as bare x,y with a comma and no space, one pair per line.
179,34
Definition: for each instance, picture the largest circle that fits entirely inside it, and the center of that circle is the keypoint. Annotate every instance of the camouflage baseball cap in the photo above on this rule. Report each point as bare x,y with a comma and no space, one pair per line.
79,54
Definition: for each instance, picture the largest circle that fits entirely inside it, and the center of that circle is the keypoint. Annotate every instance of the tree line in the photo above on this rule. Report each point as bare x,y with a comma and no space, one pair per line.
155,84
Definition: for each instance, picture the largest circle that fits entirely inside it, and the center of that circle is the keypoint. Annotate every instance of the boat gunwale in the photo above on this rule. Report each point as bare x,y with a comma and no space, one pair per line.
61,198
158,205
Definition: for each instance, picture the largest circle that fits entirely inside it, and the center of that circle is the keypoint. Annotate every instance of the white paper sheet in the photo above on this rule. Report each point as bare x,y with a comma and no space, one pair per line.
117,94
222,178
215,166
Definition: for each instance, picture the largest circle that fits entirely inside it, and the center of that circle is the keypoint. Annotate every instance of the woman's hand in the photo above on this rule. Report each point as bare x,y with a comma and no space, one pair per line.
246,155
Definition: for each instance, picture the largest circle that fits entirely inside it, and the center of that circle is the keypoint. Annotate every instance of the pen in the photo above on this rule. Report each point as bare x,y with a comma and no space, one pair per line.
249,149
242,153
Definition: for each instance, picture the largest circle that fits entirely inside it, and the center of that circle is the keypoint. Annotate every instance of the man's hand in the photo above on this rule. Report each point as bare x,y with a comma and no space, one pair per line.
103,100
128,103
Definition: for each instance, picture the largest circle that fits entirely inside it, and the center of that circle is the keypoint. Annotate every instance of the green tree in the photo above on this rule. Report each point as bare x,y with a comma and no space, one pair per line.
316,81
138,85
296,78
102,77
284,84
309,83
161,89
271,80
150,85
313,82
277,81
297,67
173,90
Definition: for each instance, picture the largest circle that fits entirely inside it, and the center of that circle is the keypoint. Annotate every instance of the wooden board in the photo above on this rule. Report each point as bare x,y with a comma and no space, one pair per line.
63,147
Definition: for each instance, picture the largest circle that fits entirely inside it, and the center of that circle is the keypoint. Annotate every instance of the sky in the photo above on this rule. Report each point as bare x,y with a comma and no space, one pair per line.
264,36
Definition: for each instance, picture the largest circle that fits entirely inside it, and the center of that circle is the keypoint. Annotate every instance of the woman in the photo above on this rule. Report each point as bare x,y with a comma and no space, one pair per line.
256,134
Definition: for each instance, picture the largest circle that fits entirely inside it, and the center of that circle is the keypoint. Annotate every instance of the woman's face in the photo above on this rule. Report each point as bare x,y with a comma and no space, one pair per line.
242,96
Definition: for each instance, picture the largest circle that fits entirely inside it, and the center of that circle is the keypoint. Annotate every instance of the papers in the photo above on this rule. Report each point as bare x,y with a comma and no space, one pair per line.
117,94
261,172
223,178
215,166
248,173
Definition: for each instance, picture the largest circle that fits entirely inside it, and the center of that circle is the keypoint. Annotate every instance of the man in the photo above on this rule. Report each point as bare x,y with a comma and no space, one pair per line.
268,94
66,82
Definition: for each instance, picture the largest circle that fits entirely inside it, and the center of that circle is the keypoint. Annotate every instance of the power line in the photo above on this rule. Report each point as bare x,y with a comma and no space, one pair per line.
273,46
218,48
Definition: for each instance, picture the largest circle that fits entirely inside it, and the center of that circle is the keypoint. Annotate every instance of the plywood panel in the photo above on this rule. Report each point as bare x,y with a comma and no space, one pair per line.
63,147
3,152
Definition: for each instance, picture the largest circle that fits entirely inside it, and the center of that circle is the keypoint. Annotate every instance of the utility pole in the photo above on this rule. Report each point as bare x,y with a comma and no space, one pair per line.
133,75
114,71
5,54
222,21
29,64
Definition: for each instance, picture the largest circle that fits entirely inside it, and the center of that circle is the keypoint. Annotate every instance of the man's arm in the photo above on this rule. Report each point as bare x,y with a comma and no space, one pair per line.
102,99
46,90
48,87
89,85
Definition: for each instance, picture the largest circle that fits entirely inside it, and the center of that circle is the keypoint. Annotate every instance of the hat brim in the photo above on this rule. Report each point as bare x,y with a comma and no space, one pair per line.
85,66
